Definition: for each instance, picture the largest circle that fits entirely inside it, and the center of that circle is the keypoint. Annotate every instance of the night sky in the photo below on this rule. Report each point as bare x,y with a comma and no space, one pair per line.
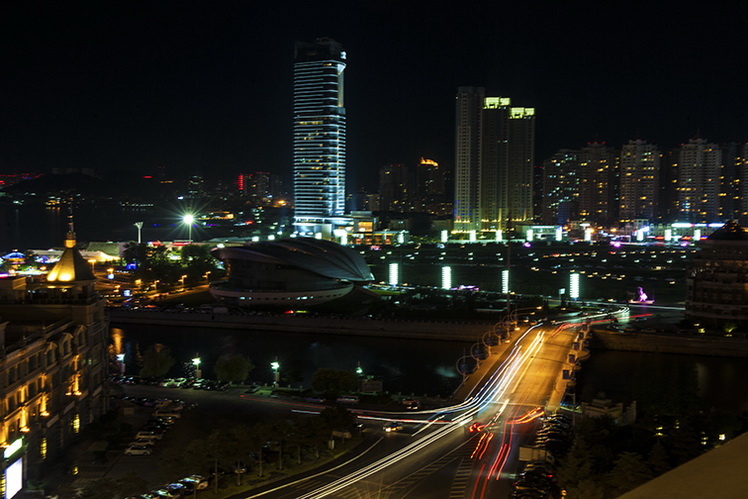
206,87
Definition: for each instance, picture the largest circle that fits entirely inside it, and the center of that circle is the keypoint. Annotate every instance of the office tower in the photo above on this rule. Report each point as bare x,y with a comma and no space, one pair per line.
319,135
494,162
394,184
699,165
639,180
561,187
596,174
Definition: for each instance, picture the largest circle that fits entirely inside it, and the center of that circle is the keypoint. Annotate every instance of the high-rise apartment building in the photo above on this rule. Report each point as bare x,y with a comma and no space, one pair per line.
319,134
429,190
733,165
561,187
639,180
494,162
469,124
394,185
262,187
596,183
699,166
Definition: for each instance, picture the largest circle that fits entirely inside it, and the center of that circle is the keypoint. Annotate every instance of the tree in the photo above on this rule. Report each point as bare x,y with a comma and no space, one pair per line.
157,361
338,418
659,461
334,381
629,472
233,368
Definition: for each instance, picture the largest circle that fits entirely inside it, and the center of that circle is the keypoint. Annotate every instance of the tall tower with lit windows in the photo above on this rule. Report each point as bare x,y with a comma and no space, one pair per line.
319,135
699,171
639,181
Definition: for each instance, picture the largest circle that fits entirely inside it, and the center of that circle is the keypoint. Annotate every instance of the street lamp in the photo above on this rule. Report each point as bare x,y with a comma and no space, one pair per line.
275,365
196,362
92,261
189,219
139,226
181,279
207,277
121,360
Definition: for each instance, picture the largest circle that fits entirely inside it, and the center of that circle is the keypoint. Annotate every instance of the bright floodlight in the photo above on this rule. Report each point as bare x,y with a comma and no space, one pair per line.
188,219
275,365
196,361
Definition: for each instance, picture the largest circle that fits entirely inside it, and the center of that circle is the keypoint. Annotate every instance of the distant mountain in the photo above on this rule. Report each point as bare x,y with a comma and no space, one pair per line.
67,183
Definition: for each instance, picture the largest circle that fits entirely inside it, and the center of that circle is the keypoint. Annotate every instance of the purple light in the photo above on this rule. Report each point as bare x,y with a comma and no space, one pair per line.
527,244
616,244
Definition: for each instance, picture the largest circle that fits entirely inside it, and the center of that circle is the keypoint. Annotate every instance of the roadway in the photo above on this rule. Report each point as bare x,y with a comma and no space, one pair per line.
467,450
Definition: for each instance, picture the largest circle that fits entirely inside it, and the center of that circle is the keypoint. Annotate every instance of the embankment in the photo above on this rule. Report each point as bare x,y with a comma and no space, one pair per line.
425,330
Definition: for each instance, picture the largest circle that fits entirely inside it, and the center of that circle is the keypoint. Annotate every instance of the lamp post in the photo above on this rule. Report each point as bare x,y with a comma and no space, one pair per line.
121,360
196,362
139,226
275,365
189,219
92,261
181,279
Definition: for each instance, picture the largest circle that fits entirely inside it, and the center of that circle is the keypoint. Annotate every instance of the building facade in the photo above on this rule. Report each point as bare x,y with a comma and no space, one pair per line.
319,142
718,280
53,365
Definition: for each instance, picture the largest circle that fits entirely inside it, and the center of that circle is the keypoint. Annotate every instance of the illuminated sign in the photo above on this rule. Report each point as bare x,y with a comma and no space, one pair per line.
13,448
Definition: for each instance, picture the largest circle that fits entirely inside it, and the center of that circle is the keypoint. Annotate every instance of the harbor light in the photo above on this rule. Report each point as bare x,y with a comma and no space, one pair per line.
446,277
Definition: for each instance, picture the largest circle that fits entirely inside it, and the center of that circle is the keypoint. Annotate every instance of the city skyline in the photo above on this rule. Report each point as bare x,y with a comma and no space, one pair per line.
210,89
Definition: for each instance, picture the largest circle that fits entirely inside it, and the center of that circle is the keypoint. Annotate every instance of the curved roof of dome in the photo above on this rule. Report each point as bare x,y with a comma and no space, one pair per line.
315,255
731,231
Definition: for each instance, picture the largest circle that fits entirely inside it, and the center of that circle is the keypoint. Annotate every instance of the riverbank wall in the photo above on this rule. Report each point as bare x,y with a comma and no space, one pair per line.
678,343
382,328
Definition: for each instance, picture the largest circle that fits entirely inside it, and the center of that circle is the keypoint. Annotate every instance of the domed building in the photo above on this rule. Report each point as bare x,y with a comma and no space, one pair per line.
718,280
289,273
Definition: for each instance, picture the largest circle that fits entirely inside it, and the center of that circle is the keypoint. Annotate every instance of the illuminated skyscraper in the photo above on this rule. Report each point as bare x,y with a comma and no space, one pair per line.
319,135
495,146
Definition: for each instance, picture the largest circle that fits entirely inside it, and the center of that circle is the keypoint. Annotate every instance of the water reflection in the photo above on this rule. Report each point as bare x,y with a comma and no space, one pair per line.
407,366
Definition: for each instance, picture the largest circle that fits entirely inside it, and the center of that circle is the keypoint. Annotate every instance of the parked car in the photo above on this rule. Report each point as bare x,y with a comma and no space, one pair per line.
192,482
148,435
167,413
138,450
